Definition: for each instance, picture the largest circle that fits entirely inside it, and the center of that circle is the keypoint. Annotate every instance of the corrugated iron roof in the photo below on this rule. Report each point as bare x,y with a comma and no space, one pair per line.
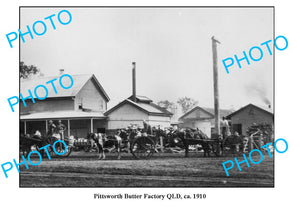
147,107
78,82
66,114
223,112
208,114
266,110
141,98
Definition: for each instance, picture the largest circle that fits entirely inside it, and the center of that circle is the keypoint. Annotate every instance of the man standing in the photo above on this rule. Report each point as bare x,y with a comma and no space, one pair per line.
147,128
224,127
61,128
52,129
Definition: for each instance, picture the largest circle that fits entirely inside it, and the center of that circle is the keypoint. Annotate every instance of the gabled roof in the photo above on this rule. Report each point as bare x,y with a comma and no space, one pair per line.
141,98
268,111
78,83
209,115
147,107
223,112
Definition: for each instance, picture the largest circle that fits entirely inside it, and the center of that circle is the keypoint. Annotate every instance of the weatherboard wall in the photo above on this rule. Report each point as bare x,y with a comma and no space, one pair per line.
90,98
127,115
157,120
124,116
251,115
52,104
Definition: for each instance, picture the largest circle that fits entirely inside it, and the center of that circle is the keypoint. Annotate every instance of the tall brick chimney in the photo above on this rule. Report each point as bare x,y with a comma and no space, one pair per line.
133,82
61,71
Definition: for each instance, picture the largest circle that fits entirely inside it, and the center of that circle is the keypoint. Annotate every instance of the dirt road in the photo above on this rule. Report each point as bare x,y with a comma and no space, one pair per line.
163,170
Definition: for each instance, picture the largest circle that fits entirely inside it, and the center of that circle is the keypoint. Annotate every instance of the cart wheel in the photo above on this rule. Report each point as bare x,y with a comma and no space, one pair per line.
68,152
142,147
60,148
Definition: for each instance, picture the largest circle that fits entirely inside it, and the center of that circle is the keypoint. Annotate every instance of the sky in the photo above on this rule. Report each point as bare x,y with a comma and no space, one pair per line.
172,49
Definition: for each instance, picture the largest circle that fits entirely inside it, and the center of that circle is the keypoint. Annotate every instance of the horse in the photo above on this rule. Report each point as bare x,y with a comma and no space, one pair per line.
234,142
185,137
200,139
101,141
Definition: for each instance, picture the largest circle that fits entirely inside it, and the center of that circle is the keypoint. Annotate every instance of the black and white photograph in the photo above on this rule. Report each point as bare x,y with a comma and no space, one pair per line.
149,106
147,96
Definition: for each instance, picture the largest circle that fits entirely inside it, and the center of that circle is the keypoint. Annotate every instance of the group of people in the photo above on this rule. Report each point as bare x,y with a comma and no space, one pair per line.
56,130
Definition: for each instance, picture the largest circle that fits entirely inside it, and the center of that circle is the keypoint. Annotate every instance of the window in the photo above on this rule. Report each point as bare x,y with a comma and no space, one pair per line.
237,128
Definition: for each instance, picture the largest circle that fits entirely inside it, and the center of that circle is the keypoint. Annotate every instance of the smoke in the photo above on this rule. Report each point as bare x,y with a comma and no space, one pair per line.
266,101
258,90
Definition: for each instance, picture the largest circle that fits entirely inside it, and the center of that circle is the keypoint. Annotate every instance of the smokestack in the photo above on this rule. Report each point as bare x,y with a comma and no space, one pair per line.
61,71
133,82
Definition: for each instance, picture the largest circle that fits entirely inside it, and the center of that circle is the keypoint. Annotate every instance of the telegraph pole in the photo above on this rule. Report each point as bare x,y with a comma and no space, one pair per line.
216,88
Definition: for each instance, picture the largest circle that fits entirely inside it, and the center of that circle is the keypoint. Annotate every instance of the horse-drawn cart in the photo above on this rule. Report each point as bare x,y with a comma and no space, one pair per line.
28,144
143,146
207,145
140,145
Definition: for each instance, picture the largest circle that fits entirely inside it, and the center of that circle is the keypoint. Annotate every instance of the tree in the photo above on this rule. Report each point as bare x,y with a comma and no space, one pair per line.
27,70
166,104
187,103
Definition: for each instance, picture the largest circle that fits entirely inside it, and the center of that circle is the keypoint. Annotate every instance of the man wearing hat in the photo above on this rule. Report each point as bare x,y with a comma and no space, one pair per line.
61,128
224,127
147,128
51,129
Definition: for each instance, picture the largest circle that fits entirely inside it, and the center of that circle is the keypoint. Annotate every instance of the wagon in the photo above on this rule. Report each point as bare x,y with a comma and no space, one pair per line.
143,146
28,144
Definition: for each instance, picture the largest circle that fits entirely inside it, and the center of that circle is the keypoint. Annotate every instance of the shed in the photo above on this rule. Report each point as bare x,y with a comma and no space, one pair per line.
248,115
130,112
197,118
